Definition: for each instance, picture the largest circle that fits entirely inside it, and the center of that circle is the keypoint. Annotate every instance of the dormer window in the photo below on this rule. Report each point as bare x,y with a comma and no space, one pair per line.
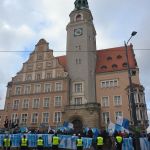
109,58
124,64
114,66
103,67
119,57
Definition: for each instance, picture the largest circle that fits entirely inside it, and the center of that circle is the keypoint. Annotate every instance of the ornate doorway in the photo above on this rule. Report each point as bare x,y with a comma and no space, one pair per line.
77,124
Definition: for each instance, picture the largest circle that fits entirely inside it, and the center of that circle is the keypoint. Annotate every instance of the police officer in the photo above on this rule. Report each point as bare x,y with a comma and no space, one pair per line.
24,143
55,142
40,143
119,141
79,143
7,143
100,142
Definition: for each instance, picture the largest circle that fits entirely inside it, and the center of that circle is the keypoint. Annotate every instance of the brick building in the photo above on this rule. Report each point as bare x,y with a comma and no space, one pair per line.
87,87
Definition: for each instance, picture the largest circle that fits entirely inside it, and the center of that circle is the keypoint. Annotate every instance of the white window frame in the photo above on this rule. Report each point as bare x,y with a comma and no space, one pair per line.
78,87
49,75
25,103
118,103
37,88
58,86
56,103
45,119
38,76
18,90
118,115
35,105
57,119
27,89
14,117
16,106
46,104
109,83
47,88
28,77
24,118
107,118
35,119
102,101
78,100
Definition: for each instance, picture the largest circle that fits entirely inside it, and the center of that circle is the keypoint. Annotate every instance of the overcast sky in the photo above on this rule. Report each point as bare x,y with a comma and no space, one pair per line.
24,22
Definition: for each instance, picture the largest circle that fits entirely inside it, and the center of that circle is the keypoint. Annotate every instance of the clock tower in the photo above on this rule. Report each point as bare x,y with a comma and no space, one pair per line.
81,61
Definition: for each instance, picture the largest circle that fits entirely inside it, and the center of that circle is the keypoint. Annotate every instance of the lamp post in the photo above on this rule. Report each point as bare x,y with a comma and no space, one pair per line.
131,94
131,90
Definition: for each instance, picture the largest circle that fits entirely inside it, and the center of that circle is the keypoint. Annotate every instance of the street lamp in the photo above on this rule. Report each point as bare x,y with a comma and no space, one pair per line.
131,90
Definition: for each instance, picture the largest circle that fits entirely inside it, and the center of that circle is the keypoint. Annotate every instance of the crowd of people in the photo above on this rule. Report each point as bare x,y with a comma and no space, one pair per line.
100,140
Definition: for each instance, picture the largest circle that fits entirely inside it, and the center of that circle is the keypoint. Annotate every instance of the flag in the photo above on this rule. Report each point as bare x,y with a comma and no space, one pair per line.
111,128
68,125
119,120
49,128
125,123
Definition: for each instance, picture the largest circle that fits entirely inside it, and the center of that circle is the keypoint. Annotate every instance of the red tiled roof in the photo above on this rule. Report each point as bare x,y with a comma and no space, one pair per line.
62,60
108,60
114,59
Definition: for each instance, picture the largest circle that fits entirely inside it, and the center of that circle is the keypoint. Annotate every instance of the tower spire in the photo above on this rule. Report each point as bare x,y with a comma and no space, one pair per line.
80,4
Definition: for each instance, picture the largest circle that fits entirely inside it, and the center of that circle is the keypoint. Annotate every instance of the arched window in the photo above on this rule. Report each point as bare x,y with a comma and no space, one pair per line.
79,17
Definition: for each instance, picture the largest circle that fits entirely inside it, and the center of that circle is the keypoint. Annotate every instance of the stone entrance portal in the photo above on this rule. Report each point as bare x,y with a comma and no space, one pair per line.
78,125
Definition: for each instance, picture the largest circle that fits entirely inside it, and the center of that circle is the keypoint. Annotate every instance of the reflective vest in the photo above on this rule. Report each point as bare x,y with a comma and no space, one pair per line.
24,142
55,140
100,140
6,142
79,142
40,142
119,139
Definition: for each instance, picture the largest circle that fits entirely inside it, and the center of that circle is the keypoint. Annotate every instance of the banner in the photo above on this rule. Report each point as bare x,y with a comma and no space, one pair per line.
68,141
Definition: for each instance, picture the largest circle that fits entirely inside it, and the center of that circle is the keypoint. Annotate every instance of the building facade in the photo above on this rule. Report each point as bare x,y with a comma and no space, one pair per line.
87,87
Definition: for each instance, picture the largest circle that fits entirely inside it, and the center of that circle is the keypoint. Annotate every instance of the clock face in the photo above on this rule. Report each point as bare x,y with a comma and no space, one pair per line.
78,32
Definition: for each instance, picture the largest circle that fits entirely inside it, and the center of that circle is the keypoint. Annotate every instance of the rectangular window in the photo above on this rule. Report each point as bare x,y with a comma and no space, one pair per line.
117,100
78,87
48,75
14,118
28,77
57,117
109,83
118,114
58,86
57,101
24,119
27,89
105,117
34,118
38,76
25,104
78,101
45,118
36,103
48,87
18,90
16,104
46,102
105,101
37,88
